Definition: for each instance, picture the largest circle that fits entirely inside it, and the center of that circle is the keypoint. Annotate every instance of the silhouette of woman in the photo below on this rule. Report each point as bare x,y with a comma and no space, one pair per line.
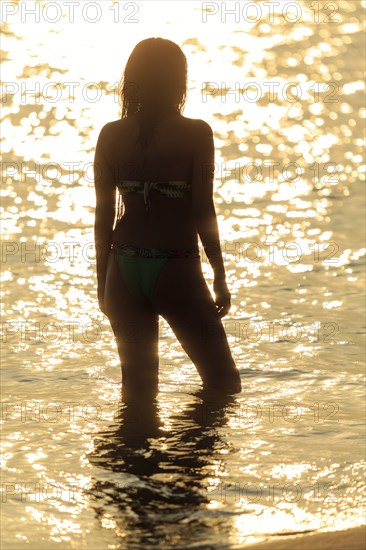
153,172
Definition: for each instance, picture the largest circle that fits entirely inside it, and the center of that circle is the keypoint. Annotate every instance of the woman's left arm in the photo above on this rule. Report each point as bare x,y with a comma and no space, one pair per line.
105,210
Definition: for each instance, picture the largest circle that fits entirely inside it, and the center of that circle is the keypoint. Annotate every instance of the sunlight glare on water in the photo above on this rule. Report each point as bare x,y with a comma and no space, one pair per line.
81,468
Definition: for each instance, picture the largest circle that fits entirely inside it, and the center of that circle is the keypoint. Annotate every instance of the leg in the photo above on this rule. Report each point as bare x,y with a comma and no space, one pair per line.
183,298
135,325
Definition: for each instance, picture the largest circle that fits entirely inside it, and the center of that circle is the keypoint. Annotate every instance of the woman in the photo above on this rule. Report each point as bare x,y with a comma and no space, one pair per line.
161,165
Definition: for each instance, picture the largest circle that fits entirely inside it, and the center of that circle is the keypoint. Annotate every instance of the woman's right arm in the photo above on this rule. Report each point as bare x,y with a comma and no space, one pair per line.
105,190
203,210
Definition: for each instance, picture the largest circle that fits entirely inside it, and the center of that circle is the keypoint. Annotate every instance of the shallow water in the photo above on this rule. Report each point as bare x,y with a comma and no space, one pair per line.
81,468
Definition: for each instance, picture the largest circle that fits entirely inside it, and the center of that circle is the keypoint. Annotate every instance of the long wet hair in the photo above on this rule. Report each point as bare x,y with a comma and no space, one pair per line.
154,84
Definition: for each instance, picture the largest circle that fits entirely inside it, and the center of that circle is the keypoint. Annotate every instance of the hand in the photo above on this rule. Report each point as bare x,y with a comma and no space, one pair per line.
222,297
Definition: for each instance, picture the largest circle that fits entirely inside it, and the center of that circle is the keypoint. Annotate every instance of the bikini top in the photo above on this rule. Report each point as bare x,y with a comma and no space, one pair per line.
173,189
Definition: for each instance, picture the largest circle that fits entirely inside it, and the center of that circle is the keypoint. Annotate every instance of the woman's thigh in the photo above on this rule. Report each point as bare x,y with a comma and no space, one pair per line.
135,324
183,298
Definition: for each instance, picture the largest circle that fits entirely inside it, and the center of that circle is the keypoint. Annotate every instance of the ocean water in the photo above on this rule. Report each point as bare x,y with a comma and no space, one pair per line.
81,468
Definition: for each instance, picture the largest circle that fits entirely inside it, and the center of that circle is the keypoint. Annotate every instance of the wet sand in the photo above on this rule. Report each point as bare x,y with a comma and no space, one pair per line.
351,539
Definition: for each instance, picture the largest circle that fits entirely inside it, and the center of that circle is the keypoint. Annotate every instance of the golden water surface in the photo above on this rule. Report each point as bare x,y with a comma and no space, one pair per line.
81,469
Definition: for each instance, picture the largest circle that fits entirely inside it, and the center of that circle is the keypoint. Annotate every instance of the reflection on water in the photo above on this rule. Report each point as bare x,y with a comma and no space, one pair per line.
151,470
83,469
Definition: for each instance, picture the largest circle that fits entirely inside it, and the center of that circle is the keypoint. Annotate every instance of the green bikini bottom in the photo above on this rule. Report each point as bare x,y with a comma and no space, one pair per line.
140,267
140,274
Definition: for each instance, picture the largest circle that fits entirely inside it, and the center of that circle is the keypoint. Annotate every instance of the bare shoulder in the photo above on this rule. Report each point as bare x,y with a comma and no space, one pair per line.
193,127
107,129
112,126
198,125
110,131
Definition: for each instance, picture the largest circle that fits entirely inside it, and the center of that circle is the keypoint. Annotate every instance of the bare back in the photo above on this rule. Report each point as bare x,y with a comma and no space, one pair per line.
169,156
